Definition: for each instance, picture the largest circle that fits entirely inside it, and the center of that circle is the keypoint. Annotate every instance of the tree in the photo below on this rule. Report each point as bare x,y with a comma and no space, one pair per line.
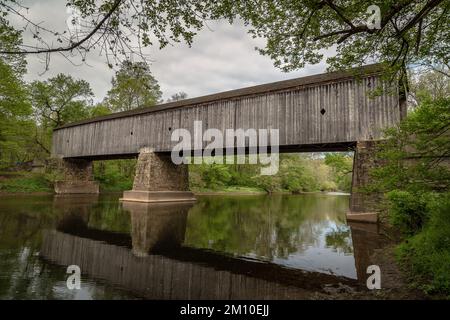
341,165
10,40
99,109
415,178
417,150
14,106
178,96
133,87
426,85
57,101
14,117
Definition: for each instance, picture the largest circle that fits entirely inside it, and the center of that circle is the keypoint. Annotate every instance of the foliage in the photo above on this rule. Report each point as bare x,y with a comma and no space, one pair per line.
11,39
342,167
57,101
133,87
415,176
297,173
60,100
99,109
427,254
15,110
408,212
429,85
297,176
416,150
299,32
115,175
27,182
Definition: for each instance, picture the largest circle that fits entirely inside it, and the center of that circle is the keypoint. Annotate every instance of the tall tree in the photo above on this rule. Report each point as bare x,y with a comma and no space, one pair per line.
14,107
429,85
57,101
133,87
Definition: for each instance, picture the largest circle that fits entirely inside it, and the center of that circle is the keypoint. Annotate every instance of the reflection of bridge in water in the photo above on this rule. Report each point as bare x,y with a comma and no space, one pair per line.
153,263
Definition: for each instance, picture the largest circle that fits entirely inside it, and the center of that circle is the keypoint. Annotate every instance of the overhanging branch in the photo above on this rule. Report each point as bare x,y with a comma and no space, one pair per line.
74,45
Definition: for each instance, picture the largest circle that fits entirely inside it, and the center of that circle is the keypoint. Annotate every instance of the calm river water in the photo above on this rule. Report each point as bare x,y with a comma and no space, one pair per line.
221,247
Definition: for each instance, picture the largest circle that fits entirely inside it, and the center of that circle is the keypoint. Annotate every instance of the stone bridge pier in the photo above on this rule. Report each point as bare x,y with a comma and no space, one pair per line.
78,178
364,204
158,179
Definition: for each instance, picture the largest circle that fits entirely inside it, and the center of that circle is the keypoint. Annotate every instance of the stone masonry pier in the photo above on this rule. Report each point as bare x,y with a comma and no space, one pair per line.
158,179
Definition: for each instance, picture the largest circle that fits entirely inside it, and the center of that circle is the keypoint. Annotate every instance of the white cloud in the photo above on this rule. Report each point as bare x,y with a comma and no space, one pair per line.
220,59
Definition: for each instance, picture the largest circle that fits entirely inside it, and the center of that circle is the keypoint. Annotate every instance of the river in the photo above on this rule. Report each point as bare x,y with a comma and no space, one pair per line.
222,247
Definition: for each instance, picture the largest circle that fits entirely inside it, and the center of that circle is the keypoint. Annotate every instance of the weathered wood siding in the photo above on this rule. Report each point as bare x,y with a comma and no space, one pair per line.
351,114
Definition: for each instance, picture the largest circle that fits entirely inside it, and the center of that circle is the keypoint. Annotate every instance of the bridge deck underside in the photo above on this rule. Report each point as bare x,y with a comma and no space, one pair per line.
331,147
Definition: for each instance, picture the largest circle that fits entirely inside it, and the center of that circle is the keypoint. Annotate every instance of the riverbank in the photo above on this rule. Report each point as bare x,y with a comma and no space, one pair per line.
41,183
25,183
395,284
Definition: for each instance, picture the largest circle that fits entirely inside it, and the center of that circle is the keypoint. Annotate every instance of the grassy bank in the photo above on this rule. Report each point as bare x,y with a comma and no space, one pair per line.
25,182
425,252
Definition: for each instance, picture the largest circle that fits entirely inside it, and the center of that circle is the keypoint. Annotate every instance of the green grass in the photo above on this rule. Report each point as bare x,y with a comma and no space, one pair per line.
230,189
116,185
25,182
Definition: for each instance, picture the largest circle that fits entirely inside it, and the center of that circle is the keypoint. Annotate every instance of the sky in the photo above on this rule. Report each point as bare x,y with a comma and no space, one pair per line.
222,57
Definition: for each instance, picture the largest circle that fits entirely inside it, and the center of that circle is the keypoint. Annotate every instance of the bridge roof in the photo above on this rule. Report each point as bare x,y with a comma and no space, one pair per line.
371,69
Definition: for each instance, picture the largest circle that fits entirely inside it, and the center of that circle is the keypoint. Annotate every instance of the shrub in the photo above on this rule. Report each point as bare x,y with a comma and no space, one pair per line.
408,211
427,254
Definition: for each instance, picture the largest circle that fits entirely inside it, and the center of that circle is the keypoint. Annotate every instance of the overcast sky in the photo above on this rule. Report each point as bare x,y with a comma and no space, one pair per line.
221,58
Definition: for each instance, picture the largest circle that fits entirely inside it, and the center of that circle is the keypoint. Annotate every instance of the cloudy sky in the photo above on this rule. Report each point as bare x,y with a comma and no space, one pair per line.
221,58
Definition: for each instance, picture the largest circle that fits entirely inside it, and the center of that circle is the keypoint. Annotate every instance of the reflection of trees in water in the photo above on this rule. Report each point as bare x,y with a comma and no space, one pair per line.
109,215
267,226
340,239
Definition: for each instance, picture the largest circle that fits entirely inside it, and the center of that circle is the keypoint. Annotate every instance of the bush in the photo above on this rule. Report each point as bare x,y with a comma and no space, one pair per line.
427,254
114,175
415,177
408,211
215,175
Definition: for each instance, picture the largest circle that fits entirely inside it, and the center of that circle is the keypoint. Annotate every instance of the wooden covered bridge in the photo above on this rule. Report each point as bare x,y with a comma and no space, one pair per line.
327,112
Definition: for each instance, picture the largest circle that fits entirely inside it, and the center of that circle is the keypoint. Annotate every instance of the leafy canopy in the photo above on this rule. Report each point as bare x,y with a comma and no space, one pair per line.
133,86
60,100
